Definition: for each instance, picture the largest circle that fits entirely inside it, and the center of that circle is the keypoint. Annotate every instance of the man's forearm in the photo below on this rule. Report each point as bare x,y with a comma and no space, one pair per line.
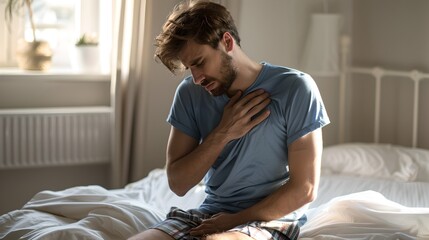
187,171
280,203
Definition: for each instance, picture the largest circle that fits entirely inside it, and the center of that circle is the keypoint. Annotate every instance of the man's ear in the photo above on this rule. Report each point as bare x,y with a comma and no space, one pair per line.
228,41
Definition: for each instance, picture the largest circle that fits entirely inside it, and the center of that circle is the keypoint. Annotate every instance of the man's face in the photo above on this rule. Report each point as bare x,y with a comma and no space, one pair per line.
211,68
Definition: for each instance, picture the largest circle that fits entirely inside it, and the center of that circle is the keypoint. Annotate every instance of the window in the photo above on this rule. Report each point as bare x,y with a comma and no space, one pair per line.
61,23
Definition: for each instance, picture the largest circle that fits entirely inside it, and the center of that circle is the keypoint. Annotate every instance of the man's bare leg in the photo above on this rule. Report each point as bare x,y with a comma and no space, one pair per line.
155,234
229,236
151,234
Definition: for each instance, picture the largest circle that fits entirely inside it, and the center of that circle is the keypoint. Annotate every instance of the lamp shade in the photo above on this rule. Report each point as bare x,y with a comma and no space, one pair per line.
321,52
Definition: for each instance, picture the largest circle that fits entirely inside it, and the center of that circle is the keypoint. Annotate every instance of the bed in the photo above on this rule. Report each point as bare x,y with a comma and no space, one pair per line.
367,191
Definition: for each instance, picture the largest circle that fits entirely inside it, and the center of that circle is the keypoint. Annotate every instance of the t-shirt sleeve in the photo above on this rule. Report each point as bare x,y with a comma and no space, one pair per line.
182,114
306,111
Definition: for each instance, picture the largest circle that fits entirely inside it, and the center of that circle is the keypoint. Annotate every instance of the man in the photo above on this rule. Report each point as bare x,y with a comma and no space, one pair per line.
251,130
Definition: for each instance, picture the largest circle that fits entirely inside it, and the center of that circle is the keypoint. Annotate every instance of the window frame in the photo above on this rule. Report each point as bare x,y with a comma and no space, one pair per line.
91,11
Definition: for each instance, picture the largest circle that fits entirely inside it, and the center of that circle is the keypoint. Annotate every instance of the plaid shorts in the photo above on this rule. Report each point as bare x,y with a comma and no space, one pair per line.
179,222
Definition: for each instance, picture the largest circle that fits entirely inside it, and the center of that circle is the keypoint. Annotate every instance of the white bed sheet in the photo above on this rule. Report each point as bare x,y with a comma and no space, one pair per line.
93,212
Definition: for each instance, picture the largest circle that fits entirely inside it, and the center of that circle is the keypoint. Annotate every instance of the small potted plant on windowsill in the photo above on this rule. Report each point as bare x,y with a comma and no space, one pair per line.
85,56
31,55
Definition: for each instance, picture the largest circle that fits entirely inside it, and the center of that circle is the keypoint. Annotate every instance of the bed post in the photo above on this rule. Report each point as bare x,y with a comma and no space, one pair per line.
416,77
345,50
378,74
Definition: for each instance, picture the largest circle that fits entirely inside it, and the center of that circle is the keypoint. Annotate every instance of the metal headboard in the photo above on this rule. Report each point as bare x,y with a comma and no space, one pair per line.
378,74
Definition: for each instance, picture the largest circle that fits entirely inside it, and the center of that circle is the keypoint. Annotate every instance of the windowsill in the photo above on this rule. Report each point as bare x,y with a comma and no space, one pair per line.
55,74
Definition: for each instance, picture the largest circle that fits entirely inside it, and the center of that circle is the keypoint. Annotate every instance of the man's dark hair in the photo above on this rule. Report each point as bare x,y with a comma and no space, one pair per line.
201,21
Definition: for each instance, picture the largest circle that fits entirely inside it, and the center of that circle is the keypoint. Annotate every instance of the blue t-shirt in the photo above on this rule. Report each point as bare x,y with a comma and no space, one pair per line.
253,166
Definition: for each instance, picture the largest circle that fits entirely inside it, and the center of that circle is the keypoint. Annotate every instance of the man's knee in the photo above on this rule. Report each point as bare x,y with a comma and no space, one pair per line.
228,236
151,234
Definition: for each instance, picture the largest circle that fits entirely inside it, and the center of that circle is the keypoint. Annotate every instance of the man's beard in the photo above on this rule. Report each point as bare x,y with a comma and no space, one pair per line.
228,75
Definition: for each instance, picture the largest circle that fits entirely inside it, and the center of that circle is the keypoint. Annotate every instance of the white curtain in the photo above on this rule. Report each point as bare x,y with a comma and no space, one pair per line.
127,81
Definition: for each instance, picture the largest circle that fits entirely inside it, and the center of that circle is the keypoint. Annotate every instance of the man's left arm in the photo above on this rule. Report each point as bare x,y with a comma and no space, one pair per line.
304,156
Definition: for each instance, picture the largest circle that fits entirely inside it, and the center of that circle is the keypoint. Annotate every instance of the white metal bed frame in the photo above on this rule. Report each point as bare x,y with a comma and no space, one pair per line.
378,74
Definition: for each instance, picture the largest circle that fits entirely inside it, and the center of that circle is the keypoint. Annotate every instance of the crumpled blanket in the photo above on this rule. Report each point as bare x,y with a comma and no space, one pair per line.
365,215
90,212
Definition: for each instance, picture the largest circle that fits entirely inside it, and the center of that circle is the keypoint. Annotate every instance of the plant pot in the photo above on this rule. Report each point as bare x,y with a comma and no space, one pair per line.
85,58
35,56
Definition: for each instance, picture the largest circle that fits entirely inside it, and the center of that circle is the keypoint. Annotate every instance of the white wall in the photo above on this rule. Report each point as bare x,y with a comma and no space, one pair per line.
390,34
268,31
17,186
40,92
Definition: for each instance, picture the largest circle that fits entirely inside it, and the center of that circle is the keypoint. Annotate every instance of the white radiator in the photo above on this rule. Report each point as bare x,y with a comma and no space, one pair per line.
54,137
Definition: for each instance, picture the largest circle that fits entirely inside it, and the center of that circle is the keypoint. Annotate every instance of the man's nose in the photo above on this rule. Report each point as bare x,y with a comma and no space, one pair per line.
198,76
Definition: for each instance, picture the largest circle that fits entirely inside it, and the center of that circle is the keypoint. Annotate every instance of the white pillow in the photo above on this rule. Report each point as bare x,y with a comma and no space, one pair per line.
421,158
369,159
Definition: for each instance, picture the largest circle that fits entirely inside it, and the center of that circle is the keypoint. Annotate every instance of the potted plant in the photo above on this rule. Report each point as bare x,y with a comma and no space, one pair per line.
34,55
86,54
87,40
